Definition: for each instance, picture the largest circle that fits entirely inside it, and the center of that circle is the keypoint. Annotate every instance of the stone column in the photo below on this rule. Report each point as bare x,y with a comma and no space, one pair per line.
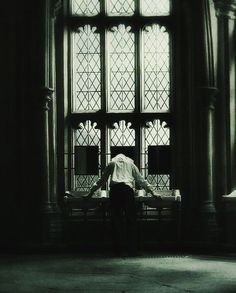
45,97
206,131
205,98
48,11
226,13
48,209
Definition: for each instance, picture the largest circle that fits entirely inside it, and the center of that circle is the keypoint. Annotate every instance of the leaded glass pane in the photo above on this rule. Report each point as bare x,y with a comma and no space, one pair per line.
85,182
161,182
85,7
155,7
157,134
121,7
86,135
122,77
156,69
122,134
86,70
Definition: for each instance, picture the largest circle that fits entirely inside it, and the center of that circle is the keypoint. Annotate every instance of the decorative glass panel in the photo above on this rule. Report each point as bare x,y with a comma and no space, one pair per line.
122,134
155,133
85,7
156,69
155,7
161,182
86,135
85,182
120,7
86,70
122,77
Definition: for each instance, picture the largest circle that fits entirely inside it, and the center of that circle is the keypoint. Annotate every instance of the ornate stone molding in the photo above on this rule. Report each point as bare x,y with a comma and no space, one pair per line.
226,8
46,97
109,119
208,96
135,22
56,8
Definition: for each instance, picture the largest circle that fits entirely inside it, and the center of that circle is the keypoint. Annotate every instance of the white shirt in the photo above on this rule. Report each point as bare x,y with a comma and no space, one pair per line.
122,169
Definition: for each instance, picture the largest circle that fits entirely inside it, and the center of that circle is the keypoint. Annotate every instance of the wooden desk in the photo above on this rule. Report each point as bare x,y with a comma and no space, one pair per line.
75,200
147,206
150,211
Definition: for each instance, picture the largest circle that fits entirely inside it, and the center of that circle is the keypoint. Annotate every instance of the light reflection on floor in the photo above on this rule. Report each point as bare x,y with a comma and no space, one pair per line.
96,273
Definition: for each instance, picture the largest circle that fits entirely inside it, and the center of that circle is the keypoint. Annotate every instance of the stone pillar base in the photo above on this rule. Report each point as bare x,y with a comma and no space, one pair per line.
228,220
208,226
49,207
51,224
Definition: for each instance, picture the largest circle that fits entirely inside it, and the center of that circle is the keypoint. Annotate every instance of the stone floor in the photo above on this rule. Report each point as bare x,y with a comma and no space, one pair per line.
101,273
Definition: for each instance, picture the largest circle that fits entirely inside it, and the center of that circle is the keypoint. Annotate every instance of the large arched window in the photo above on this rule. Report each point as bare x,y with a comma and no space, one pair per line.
120,88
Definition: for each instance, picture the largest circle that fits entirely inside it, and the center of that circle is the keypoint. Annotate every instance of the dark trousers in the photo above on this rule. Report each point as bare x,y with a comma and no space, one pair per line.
123,218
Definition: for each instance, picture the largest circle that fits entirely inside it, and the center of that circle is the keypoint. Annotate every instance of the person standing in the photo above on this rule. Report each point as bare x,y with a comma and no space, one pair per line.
124,175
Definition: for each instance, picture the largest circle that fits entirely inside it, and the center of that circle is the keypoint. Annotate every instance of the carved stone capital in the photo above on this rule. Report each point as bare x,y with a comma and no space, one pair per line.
56,8
46,97
208,96
226,8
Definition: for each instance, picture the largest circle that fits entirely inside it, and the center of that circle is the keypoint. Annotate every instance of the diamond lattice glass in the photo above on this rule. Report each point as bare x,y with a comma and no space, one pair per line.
156,69
155,7
161,182
122,77
85,182
155,133
85,7
86,135
122,134
86,70
120,7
